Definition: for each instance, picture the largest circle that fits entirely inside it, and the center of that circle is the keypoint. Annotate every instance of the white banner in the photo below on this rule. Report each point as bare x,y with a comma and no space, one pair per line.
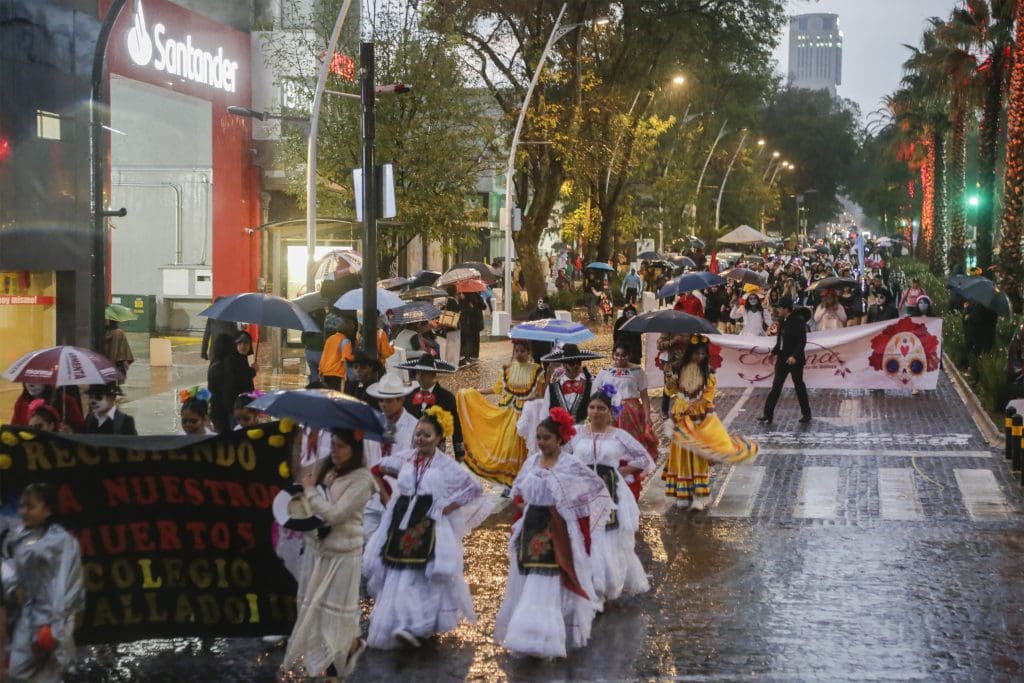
894,354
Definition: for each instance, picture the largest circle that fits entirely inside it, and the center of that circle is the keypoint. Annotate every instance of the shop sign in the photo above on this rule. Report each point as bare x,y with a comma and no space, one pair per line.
31,300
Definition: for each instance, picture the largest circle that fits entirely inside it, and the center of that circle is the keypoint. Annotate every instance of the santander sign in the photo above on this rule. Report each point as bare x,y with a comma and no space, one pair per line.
178,57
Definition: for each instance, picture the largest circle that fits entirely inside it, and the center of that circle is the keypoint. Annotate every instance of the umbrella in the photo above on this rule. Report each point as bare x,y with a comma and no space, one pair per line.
325,409
353,300
672,322
684,262
753,259
424,278
697,243
487,274
957,281
984,292
552,330
456,274
690,282
743,235
744,275
422,293
62,366
314,301
473,286
393,282
809,250
650,256
118,313
416,312
261,309
598,265
832,283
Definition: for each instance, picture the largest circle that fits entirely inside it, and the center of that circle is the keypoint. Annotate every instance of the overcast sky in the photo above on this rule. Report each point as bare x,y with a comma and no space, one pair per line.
874,32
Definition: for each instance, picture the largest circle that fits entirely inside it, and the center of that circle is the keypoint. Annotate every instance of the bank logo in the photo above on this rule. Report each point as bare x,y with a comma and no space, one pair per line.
140,45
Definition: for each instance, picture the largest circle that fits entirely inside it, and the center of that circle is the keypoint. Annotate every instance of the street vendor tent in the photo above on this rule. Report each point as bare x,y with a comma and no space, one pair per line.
744,235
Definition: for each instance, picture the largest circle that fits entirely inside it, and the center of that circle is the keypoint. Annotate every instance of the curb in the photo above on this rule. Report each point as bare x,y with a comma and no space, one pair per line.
989,431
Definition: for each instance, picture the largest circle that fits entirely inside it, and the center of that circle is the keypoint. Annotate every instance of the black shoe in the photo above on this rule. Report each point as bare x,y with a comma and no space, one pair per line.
764,418
804,419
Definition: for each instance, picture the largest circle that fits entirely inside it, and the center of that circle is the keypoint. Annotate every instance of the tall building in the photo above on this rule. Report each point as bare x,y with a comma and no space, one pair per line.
815,52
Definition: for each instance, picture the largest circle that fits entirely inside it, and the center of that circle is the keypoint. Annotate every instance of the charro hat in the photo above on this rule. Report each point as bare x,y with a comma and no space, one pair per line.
569,352
784,302
292,511
427,363
391,386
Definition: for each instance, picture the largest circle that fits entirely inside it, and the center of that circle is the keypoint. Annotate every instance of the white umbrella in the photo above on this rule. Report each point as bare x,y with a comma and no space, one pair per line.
62,366
744,235
352,300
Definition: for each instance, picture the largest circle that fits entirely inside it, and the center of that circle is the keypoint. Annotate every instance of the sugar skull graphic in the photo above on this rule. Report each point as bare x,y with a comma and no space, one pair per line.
905,351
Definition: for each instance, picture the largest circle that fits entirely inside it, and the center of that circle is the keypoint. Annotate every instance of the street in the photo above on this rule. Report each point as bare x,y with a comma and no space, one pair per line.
882,542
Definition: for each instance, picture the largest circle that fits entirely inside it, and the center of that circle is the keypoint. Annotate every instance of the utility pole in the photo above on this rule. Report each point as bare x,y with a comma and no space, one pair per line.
367,93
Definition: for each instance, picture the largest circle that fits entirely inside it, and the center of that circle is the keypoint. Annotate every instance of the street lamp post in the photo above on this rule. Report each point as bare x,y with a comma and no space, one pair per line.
557,33
700,179
721,188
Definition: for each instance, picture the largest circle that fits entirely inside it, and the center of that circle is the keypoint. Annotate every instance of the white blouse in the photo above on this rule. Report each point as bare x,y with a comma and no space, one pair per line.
629,382
608,448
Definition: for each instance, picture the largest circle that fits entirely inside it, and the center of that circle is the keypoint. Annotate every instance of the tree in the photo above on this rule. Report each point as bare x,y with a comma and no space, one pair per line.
438,136
820,136
590,81
1011,268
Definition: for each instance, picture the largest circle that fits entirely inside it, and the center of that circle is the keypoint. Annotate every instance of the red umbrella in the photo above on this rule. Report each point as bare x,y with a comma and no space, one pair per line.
470,285
62,366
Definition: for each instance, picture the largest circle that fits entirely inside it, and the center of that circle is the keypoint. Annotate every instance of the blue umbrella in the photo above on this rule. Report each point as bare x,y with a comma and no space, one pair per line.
416,312
552,330
353,300
597,265
325,409
261,309
690,282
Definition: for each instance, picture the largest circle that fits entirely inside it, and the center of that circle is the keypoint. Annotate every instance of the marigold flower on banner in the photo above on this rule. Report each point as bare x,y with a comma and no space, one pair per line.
9,439
287,425
276,441
26,436
254,434
5,461
284,470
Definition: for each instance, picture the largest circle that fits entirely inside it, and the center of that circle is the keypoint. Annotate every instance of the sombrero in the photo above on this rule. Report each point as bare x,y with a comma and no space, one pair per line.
292,511
391,386
427,363
567,353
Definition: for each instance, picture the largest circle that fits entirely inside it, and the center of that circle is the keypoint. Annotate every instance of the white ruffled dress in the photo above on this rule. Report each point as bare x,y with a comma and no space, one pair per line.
434,598
539,616
617,569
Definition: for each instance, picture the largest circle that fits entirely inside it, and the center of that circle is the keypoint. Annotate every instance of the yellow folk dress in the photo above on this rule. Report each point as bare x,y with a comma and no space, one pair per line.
698,436
494,450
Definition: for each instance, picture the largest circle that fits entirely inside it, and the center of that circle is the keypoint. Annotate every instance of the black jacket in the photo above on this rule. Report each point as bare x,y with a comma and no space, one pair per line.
443,398
236,378
122,424
579,412
358,390
792,339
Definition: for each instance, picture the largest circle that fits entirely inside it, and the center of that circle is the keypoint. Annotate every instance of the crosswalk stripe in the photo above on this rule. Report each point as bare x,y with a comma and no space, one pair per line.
736,499
818,494
881,452
898,495
981,494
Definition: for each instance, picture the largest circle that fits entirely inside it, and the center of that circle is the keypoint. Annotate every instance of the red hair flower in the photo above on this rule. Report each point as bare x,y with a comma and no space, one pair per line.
566,425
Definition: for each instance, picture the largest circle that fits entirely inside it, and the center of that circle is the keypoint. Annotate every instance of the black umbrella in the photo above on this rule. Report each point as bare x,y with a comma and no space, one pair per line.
325,409
416,312
984,292
424,278
393,283
314,301
422,294
650,256
746,276
261,309
672,322
487,274
832,283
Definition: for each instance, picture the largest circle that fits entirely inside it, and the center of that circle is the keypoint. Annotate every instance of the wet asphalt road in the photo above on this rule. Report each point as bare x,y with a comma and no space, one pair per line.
882,542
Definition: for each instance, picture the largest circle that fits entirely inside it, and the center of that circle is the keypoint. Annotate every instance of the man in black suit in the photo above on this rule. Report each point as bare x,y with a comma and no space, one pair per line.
789,360
367,371
571,384
431,393
104,417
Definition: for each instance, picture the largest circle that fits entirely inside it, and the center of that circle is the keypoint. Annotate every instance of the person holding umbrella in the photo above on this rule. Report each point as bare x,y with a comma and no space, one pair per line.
237,376
471,324
632,341
117,349
64,404
789,361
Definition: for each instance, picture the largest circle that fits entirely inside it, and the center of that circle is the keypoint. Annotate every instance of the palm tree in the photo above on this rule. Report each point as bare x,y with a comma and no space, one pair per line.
989,26
1011,269
911,145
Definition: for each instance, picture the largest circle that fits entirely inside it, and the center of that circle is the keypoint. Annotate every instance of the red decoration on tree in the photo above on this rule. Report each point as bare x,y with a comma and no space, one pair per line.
343,67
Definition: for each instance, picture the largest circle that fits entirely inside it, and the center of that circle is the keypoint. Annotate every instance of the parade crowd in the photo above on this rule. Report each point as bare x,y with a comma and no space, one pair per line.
570,447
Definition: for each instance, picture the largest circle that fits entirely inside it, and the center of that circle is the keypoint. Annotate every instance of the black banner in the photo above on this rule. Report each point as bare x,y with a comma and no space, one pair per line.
175,531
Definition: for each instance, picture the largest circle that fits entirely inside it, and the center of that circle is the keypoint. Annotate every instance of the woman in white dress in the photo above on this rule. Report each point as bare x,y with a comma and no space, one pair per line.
414,561
829,315
602,446
550,601
632,403
753,316
325,640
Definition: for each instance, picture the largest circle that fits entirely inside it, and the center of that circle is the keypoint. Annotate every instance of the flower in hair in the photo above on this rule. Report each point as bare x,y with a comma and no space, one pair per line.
566,425
444,419
608,389
197,392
